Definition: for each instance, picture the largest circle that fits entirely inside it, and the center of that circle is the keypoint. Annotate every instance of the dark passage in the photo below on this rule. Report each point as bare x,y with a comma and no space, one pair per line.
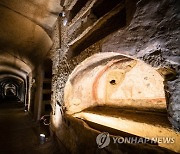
19,133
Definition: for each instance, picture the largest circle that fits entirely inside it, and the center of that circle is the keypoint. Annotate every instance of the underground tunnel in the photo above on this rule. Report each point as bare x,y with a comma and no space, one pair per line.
12,89
93,76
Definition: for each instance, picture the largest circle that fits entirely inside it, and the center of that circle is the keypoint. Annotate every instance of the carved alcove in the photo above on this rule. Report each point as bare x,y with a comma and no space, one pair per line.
114,92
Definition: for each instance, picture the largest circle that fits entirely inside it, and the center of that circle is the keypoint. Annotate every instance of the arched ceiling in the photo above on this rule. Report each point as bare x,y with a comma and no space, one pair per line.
42,12
18,82
25,29
10,76
9,60
12,65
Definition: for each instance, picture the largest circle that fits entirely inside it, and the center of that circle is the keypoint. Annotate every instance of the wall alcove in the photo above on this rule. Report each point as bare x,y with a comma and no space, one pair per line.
121,93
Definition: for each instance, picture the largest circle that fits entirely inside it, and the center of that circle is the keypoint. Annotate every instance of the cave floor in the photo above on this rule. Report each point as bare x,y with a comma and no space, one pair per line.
19,134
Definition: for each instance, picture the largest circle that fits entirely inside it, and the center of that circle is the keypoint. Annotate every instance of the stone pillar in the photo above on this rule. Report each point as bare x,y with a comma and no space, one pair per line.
38,96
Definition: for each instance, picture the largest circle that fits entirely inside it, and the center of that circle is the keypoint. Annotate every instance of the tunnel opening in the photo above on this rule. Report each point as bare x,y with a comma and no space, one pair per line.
12,89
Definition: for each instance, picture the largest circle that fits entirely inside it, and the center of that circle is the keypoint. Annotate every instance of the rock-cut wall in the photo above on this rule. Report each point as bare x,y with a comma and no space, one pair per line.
151,33
154,36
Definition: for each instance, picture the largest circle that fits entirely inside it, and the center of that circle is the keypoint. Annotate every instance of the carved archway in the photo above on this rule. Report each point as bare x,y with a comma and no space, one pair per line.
122,93
112,79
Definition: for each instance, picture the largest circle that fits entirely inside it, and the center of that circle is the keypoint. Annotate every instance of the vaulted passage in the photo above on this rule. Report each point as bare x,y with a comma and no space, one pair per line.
89,76
12,89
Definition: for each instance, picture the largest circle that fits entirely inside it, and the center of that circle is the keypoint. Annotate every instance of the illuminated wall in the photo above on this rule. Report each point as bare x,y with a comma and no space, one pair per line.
116,80
113,94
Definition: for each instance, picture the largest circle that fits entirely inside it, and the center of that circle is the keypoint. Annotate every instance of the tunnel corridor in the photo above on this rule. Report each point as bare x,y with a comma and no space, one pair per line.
79,76
12,89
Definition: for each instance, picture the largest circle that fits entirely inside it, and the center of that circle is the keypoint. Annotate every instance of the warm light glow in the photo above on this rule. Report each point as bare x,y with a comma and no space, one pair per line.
57,118
124,83
137,128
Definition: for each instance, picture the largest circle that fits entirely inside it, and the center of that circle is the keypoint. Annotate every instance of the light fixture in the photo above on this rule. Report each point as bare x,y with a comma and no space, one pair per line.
42,138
